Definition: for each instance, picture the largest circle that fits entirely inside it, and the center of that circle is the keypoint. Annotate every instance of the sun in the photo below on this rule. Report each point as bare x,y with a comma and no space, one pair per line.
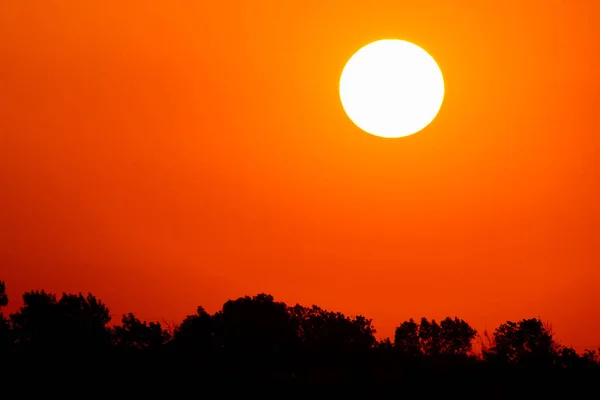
391,88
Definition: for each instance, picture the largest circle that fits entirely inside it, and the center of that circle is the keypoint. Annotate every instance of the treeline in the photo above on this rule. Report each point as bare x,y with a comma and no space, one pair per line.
253,337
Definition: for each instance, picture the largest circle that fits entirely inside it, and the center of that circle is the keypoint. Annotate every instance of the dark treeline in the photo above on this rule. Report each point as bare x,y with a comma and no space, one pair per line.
257,339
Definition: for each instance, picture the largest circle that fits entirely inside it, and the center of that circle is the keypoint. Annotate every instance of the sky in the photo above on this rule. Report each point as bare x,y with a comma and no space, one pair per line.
169,154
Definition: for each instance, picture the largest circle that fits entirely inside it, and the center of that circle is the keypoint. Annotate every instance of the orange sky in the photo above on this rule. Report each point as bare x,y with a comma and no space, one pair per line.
165,154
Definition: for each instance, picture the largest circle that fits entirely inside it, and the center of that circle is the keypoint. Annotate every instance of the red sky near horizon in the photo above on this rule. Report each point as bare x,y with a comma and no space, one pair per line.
169,154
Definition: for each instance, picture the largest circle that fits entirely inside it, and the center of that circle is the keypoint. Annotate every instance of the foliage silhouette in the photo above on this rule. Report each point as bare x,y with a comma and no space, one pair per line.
528,341
73,323
136,335
452,337
5,331
3,295
258,339
254,325
321,330
196,334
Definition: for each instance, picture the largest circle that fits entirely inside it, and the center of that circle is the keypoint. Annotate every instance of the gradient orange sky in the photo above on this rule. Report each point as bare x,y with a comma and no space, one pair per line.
166,154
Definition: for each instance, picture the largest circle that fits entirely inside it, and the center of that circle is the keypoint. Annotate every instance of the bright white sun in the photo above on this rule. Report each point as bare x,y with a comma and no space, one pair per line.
391,88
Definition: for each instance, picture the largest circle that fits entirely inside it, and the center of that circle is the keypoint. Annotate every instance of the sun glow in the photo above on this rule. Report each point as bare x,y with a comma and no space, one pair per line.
391,88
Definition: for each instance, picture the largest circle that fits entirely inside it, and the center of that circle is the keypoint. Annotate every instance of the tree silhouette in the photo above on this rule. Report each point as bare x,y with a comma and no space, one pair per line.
5,329
591,358
456,337
384,344
85,321
429,337
452,337
196,334
406,339
257,338
74,322
567,357
136,335
320,330
528,341
254,325
36,324
3,296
